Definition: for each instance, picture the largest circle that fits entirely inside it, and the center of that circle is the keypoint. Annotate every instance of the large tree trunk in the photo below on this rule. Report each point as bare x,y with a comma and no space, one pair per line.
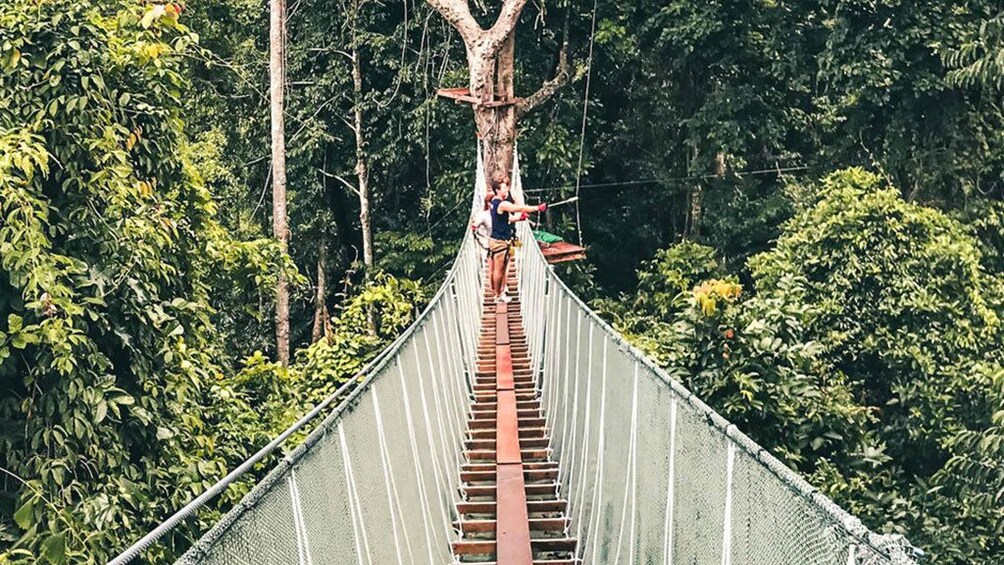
277,76
491,80
490,62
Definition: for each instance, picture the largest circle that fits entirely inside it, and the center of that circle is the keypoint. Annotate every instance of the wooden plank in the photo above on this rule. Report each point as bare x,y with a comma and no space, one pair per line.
513,526
463,95
503,368
562,251
501,329
507,449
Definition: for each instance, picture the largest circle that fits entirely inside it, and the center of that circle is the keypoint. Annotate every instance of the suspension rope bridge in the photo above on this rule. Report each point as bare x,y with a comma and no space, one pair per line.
524,433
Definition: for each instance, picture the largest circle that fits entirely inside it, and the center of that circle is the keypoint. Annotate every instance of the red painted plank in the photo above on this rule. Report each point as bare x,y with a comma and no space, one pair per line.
501,329
501,308
507,429
503,368
513,526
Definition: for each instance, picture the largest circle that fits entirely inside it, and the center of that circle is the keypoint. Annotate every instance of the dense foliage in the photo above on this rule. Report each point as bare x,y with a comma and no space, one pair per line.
115,404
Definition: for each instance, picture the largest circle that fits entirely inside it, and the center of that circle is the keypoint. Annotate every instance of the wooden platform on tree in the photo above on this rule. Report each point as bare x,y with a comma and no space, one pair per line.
562,251
463,95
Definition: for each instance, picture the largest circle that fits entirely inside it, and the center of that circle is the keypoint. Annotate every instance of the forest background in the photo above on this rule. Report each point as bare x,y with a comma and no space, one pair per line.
793,206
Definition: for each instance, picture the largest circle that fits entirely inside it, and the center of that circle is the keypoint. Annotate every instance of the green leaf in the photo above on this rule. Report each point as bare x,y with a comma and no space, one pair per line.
101,412
24,515
14,323
54,549
124,399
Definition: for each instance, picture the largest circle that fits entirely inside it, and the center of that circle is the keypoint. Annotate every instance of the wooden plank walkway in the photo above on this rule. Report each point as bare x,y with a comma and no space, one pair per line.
511,513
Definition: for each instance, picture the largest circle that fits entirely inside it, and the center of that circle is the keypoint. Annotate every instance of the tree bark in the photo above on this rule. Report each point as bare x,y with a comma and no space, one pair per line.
362,165
320,302
280,227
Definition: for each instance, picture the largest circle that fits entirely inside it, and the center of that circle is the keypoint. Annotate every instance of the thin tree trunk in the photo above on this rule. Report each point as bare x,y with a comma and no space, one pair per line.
362,169
320,304
280,228
362,166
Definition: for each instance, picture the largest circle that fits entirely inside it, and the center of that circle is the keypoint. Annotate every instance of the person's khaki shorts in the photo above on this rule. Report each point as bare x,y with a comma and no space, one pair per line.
496,246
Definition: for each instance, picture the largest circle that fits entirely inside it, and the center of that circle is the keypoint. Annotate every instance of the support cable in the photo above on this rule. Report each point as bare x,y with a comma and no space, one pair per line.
585,114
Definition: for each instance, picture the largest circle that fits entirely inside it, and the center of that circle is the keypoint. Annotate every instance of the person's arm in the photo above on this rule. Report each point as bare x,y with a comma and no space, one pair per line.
506,206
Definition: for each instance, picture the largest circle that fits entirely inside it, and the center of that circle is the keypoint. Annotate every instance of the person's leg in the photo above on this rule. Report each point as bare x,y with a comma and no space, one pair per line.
498,263
504,275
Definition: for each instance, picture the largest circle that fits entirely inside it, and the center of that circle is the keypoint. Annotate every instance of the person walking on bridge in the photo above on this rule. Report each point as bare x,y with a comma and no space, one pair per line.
500,244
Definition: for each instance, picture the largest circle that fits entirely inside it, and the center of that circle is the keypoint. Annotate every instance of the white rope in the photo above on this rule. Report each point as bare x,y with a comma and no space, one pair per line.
585,114
600,447
668,527
634,466
727,528
458,399
536,318
629,487
415,456
447,462
569,447
459,396
303,521
457,307
444,412
471,343
580,495
449,405
544,323
552,411
564,380
358,521
553,357
851,550
389,481
438,470
294,499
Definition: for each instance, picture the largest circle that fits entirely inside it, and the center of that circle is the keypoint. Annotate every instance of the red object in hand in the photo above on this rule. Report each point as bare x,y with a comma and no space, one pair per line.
542,206
524,216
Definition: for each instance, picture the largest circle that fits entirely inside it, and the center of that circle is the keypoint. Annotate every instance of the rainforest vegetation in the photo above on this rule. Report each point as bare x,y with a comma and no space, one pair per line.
796,207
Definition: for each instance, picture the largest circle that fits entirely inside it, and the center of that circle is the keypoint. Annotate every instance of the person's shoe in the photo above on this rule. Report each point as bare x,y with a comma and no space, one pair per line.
505,298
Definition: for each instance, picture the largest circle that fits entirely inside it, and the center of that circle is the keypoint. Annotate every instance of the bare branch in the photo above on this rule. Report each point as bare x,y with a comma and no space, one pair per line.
459,15
561,76
340,179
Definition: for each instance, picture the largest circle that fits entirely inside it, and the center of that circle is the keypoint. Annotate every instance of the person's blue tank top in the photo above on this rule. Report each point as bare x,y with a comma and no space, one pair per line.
501,228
